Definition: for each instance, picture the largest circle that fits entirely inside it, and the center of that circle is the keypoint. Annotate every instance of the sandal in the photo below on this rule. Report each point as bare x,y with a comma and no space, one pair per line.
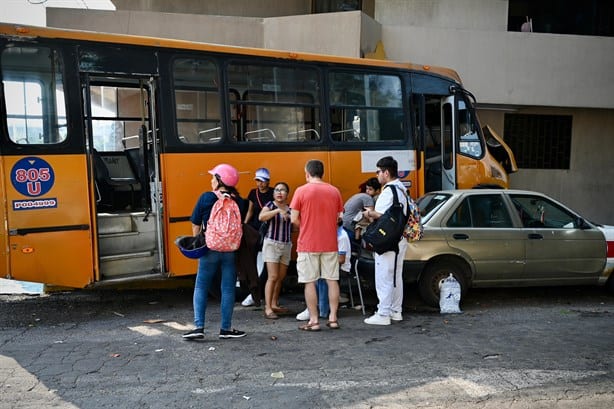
333,325
271,316
280,310
310,327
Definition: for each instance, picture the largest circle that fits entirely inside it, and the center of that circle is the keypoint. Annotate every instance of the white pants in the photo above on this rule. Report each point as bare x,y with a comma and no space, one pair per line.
390,297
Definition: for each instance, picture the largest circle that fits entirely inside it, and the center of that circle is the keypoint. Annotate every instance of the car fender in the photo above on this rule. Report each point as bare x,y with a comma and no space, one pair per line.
431,249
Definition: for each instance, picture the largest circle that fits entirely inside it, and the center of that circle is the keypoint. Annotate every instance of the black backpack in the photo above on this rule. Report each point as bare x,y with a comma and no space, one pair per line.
384,233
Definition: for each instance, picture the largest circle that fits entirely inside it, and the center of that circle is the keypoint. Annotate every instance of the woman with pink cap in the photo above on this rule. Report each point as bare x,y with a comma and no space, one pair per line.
224,178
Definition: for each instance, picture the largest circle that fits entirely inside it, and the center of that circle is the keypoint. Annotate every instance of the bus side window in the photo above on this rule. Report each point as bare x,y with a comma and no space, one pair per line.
197,101
277,104
35,104
366,107
469,140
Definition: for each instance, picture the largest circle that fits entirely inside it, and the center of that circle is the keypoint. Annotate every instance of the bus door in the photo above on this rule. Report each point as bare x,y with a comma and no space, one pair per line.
46,231
120,115
436,131
448,147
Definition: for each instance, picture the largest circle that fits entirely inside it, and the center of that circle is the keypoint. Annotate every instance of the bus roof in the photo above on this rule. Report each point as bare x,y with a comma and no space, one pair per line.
25,31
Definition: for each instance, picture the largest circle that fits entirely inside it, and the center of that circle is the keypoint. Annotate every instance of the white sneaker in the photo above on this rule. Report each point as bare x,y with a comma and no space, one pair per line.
377,319
248,301
303,316
396,316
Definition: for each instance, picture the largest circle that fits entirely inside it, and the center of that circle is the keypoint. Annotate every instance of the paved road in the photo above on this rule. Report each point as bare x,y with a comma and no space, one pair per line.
531,348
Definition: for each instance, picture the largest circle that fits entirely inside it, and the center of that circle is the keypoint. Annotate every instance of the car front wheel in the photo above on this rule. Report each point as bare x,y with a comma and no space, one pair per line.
432,277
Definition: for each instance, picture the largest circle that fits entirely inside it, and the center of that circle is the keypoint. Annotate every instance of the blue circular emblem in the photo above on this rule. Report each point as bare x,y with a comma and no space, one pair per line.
403,173
32,176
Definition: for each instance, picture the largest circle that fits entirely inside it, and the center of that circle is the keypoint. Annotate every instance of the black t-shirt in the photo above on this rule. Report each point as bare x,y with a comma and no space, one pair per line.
259,200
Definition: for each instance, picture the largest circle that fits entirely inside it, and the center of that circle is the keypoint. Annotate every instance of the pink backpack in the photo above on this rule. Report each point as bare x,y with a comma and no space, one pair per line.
224,229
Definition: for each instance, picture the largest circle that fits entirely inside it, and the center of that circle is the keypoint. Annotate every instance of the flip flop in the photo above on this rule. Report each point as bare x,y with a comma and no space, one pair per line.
310,327
271,316
333,325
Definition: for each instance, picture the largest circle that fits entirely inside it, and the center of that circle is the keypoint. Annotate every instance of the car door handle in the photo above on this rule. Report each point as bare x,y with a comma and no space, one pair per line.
460,236
535,236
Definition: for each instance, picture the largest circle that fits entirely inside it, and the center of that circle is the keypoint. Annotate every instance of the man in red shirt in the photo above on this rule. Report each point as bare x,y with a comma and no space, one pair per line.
316,208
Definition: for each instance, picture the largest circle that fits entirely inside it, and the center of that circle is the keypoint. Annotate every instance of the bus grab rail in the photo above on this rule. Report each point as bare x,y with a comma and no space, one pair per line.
304,131
261,137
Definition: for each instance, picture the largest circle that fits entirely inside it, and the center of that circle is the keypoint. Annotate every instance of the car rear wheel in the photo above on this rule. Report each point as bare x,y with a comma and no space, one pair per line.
433,276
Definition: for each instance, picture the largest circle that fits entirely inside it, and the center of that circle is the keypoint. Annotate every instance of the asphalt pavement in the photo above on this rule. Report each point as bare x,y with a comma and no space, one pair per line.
522,348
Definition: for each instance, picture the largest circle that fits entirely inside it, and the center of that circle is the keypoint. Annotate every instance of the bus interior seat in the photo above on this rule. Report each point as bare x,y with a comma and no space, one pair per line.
115,178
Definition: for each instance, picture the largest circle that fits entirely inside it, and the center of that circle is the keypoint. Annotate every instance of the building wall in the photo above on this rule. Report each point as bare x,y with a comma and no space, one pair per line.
513,68
334,33
588,184
489,15
192,27
244,8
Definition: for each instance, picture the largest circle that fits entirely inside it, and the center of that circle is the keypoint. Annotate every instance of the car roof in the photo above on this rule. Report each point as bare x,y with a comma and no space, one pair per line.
482,191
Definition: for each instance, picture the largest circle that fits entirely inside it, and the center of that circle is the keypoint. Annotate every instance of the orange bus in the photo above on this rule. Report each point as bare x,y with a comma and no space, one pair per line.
105,141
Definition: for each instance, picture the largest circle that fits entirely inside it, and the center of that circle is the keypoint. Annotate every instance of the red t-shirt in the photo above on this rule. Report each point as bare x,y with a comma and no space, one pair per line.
319,205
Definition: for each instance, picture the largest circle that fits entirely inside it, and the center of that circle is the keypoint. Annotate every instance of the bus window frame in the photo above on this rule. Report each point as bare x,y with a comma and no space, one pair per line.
316,106
406,141
173,88
118,83
75,141
470,108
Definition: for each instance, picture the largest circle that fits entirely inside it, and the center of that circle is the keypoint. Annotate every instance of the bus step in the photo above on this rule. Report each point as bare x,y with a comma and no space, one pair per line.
122,243
125,256
128,263
142,276
110,223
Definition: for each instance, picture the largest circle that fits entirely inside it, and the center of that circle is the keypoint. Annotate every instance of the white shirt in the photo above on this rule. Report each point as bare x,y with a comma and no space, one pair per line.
345,248
385,199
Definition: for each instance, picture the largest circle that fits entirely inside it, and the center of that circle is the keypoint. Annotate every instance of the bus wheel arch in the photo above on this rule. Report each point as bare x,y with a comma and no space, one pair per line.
439,269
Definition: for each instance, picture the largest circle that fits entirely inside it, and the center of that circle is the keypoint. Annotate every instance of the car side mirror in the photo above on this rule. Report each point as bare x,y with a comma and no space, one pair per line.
582,224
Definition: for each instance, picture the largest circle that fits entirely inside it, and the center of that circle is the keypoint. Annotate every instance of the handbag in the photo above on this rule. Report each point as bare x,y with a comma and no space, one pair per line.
262,231
384,233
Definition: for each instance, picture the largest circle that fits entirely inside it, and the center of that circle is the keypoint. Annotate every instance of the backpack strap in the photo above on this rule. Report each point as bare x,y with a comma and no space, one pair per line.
395,202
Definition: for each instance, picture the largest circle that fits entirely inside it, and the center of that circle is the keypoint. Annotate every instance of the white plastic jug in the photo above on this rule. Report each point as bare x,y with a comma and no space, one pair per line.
450,296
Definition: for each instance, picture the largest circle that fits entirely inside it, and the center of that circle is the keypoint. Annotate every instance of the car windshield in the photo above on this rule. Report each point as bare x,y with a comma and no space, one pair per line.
430,203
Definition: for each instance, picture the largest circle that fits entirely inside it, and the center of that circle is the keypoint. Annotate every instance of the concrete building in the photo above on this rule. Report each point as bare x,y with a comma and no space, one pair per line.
547,88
